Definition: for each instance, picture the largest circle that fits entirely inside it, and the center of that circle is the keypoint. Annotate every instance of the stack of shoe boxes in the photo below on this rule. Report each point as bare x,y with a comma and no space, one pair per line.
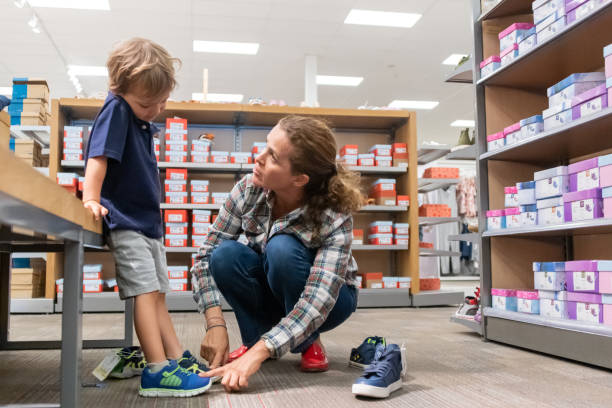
381,233
199,192
28,151
175,186
27,278
176,228
400,234
70,181
349,155
73,143
200,225
178,278
29,105
383,192
200,151
176,140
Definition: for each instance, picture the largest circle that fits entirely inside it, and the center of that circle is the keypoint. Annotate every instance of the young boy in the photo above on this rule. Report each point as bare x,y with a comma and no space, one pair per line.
122,185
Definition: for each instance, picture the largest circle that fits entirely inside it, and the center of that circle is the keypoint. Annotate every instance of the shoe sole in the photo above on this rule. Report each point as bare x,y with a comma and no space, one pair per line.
162,392
376,392
315,369
357,365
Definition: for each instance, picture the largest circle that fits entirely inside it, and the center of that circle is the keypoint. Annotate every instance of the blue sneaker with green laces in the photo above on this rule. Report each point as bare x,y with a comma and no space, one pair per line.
192,364
172,381
363,355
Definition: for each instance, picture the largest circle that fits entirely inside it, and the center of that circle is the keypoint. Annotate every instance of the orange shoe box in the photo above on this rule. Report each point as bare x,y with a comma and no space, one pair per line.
349,160
401,240
358,236
429,284
382,161
200,198
177,272
434,210
176,228
400,159
176,146
441,172
381,239
349,150
399,148
381,150
381,227
176,198
383,185
176,157
403,200
175,137
176,241
400,229
175,186
178,285
427,245
175,216
176,125
199,186
372,280
385,198
176,174
201,216
366,160
241,157
200,228
200,157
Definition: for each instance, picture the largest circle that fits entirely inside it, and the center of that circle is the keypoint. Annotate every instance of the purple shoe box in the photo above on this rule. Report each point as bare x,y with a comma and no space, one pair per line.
585,307
584,175
583,205
582,277
590,102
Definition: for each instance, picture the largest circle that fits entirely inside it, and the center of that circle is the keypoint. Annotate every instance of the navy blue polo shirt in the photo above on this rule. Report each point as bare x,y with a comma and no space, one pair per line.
131,190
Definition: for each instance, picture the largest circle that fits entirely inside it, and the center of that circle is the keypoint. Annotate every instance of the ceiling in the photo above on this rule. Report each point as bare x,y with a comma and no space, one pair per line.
396,63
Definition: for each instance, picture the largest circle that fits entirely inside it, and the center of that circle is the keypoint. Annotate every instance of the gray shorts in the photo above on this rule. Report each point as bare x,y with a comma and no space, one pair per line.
140,263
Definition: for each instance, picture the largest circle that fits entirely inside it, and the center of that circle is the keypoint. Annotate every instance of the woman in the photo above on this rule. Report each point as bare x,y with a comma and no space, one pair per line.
296,276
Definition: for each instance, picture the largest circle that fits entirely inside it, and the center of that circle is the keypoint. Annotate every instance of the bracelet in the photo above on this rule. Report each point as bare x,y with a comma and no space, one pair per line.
216,325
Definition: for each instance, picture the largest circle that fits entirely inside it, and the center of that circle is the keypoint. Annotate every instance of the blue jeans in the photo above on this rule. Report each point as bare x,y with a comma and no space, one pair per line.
264,288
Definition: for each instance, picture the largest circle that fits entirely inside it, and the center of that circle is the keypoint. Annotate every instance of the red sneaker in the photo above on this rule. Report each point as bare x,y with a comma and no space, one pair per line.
234,355
314,359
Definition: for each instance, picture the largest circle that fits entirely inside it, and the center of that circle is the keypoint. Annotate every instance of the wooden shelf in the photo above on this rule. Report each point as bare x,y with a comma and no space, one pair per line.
428,153
577,138
507,8
437,252
551,61
426,221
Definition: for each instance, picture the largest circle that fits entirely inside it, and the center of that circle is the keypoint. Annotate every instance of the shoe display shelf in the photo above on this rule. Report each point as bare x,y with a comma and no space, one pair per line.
236,127
511,93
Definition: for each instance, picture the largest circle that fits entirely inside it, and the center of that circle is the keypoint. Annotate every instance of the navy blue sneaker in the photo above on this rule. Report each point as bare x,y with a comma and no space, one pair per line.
383,376
362,356
192,364
131,364
172,381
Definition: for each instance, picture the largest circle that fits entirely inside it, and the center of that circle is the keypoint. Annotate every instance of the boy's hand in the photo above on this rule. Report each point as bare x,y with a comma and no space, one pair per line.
96,208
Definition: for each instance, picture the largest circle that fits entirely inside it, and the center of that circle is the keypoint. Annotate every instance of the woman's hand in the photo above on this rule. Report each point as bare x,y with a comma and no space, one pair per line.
215,346
236,374
96,208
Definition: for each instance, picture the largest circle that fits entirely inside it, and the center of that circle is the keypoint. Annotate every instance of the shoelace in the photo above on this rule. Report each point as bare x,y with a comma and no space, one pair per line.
195,364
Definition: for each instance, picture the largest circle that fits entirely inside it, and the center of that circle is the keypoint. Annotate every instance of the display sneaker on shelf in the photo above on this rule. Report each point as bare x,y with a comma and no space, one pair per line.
192,364
132,363
362,356
384,375
172,381
469,308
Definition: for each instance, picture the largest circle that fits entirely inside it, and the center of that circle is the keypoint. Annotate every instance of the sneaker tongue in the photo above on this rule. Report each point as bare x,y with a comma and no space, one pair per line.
187,354
380,349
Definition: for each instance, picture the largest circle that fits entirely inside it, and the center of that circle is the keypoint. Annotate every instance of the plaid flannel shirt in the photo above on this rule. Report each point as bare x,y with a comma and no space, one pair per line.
249,210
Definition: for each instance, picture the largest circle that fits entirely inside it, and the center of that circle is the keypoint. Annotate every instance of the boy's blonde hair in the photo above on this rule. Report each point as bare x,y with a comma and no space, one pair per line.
142,62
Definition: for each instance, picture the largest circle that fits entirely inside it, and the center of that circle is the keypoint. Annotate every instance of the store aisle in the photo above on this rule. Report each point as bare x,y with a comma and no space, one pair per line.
448,367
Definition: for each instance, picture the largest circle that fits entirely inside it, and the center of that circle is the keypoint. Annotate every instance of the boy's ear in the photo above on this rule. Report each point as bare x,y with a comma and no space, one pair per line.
301,180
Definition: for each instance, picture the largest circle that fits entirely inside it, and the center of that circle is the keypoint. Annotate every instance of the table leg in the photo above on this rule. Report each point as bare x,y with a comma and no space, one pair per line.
72,323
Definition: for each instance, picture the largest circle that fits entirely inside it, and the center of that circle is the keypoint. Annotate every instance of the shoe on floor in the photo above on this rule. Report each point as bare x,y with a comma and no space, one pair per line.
132,363
172,381
236,354
314,359
193,365
383,376
362,356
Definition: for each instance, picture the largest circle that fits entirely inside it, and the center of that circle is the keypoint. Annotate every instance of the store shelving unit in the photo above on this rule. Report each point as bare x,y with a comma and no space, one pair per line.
430,184
511,93
236,127
467,153
463,74
41,134
431,152
469,323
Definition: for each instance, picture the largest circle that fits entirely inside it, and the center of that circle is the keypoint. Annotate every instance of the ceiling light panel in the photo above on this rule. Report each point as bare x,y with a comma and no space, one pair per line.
72,4
225,47
382,18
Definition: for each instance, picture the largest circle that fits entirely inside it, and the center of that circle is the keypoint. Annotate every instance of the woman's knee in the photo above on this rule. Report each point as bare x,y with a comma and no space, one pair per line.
287,261
224,260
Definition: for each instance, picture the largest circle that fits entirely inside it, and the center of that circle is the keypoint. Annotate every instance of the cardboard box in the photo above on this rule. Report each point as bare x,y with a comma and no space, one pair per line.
383,185
381,227
73,145
401,229
178,272
441,172
175,136
67,179
30,88
201,216
369,278
241,157
366,160
176,125
199,186
176,228
434,210
358,237
200,157
380,150
200,198
400,159
176,198
390,282
385,198
429,284
199,228
176,157
176,174
219,198
175,186
375,284
175,216
349,150
401,240
178,285
382,161
93,286
73,132
200,146
381,239
198,240
176,241
29,119
176,146
5,129
403,200
72,156
219,157
258,147
403,282
399,148
349,160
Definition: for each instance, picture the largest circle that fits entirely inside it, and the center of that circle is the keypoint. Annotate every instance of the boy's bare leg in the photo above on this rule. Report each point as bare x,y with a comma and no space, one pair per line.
146,322
171,343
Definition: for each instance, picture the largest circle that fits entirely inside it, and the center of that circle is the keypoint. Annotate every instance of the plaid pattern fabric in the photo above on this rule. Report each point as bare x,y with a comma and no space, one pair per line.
248,210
